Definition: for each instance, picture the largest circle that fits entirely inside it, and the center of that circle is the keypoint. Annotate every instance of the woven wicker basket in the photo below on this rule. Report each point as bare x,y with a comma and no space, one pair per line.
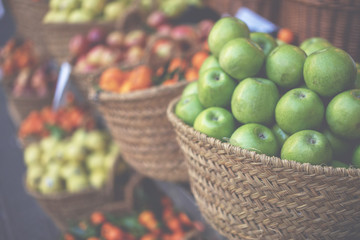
66,207
336,20
267,8
28,17
245,195
138,123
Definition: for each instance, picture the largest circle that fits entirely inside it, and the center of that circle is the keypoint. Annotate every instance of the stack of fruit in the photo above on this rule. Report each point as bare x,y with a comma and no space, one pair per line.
79,11
71,165
24,75
297,103
148,224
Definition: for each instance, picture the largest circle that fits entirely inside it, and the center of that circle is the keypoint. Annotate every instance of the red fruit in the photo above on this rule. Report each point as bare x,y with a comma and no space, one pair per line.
109,57
156,18
163,48
78,45
164,29
135,38
184,32
82,66
115,39
96,36
94,56
97,218
205,27
134,55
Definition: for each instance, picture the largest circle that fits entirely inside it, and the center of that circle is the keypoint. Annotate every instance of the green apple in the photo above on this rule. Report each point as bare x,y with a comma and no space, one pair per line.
357,80
78,136
80,16
356,157
74,153
54,168
299,109
114,10
95,141
341,147
265,41
329,71
54,4
173,8
343,114
279,134
33,175
56,17
48,143
97,178
95,160
307,146
210,62
255,137
339,164
71,168
77,183
285,65
68,5
215,122
308,42
215,88
280,42
50,184
223,31
188,108
94,6
59,150
241,58
254,101
109,161
32,154
190,89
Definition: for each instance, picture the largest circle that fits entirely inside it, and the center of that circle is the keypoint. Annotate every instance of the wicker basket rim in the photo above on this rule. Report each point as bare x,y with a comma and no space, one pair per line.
275,162
137,95
339,5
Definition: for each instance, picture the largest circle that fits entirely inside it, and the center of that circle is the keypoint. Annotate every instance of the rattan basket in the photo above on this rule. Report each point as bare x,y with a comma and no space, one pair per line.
146,138
244,195
28,17
336,20
67,207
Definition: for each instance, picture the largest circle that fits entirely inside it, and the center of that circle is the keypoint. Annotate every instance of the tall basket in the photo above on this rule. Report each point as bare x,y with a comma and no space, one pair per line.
335,20
245,195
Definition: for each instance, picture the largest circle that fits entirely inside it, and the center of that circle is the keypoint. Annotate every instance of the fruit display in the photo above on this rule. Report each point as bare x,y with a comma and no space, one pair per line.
298,103
154,217
25,73
117,80
74,164
59,123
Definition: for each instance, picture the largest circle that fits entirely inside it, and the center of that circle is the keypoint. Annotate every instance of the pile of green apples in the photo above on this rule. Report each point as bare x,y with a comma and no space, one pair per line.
80,11
74,164
299,103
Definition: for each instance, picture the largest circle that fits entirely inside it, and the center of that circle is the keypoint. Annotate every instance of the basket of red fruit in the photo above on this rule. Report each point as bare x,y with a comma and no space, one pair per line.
133,102
28,81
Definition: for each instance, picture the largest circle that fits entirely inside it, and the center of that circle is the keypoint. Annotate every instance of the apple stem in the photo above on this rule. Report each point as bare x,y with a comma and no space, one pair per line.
262,136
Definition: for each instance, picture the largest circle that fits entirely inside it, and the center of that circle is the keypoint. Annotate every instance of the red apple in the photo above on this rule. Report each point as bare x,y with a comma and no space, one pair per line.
163,48
110,56
115,39
78,45
134,55
184,32
94,56
156,19
205,27
82,66
96,36
164,29
135,38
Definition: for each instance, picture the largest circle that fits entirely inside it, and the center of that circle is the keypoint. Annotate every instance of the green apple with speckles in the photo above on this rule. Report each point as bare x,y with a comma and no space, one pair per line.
210,62
280,135
188,108
265,41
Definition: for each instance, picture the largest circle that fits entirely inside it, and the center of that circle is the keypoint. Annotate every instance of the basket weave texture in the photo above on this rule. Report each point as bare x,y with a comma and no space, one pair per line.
244,195
139,124
335,20
28,17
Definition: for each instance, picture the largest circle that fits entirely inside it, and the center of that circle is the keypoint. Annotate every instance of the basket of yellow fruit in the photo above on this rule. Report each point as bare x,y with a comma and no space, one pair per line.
271,138
71,177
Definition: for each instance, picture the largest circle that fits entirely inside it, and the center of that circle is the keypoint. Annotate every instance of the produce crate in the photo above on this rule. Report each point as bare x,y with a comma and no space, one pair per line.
245,195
